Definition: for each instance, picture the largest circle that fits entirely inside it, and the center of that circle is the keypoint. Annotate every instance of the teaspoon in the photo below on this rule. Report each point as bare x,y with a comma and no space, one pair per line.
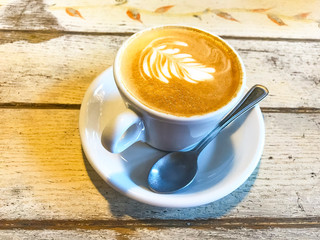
177,170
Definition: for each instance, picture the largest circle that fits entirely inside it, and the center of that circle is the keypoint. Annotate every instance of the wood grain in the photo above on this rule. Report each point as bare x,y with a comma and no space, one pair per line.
277,19
46,176
176,233
53,69
226,223
50,55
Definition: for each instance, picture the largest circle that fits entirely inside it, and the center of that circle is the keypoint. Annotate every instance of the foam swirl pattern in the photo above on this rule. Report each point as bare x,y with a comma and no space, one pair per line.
180,71
167,60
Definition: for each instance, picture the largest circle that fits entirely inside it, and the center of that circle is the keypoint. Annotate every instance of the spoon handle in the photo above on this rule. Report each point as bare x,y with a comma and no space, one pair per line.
253,96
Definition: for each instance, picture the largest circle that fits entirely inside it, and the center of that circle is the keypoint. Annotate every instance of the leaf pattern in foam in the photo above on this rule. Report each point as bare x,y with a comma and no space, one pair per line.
166,61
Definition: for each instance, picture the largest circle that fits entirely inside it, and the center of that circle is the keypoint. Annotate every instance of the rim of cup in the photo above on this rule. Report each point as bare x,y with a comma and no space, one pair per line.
166,116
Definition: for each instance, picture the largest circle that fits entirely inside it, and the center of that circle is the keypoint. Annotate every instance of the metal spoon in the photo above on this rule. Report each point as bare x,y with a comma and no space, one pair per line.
177,170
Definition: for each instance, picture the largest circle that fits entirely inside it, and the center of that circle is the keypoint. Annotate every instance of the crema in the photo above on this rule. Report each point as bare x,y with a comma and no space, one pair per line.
180,71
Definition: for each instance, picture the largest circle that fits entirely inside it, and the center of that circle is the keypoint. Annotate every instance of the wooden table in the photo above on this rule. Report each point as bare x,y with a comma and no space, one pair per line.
50,53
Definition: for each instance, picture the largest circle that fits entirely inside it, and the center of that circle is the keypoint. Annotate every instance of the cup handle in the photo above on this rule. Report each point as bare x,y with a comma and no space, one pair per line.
126,129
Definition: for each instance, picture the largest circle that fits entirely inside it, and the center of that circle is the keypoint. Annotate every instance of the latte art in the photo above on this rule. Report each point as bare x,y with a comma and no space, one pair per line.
167,60
180,71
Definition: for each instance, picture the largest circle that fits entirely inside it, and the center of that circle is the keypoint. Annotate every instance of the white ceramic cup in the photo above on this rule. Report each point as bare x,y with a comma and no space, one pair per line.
162,131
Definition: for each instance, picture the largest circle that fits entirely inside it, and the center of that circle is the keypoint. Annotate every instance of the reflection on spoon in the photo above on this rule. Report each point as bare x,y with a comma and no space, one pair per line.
177,170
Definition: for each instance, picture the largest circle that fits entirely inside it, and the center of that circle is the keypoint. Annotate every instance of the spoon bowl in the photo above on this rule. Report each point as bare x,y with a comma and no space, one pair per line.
167,168
176,170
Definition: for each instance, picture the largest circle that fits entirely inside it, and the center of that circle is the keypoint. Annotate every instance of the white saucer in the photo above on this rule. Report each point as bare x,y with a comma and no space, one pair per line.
224,165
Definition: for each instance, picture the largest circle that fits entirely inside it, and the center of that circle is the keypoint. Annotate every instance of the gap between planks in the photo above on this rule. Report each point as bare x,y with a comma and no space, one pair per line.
61,32
21,105
232,223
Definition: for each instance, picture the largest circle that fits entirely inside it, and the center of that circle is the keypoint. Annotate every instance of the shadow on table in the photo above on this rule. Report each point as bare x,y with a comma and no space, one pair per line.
120,205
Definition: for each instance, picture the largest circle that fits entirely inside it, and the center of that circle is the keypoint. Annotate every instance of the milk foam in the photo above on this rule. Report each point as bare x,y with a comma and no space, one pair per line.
167,60
180,71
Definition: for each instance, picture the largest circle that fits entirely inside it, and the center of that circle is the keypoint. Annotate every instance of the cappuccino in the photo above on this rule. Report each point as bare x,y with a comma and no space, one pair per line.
180,71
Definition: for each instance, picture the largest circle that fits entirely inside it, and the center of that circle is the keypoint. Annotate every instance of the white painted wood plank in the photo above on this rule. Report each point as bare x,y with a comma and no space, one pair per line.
44,174
55,68
162,234
282,18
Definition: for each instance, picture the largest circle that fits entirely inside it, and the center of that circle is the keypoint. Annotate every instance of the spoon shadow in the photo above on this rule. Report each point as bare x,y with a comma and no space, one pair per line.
216,160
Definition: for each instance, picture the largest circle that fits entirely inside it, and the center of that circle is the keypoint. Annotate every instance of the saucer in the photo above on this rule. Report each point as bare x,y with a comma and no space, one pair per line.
224,164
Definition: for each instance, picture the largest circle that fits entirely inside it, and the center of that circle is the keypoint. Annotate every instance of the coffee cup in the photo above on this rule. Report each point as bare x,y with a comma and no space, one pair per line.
177,83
